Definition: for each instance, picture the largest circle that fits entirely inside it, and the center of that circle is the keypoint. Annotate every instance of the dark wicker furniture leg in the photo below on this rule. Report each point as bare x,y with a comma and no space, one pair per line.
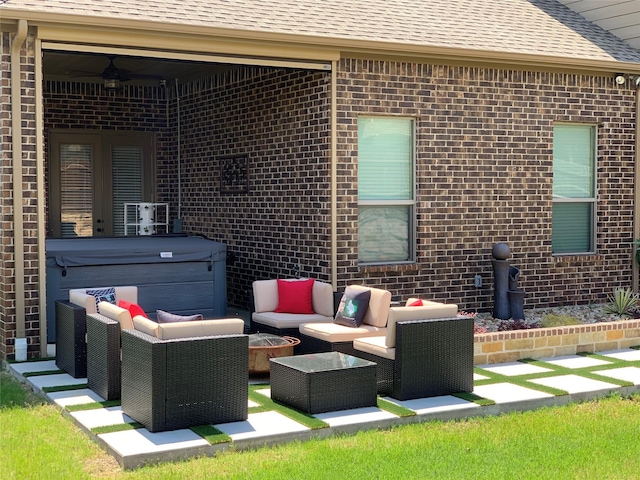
103,356
71,345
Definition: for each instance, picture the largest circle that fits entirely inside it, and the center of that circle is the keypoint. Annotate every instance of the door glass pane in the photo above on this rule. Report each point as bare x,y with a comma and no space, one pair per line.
127,181
383,233
76,192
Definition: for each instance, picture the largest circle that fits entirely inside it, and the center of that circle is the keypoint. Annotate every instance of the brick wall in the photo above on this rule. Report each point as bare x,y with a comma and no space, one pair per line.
484,174
501,347
29,202
484,166
279,119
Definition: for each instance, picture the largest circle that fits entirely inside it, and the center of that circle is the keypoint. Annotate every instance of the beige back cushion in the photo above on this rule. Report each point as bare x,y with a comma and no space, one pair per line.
121,315
202,328
265,296
78,296
379,304
403,314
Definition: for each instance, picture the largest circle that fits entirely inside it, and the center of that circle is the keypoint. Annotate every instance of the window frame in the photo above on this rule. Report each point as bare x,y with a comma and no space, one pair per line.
592,201
411,203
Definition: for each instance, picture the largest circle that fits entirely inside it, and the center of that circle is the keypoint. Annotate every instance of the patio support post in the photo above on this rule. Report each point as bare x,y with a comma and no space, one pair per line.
16,147
42,233
334,180
635,268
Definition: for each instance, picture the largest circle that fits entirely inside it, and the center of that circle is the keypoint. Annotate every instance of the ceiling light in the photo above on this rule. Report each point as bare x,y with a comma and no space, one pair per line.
620,79
111,84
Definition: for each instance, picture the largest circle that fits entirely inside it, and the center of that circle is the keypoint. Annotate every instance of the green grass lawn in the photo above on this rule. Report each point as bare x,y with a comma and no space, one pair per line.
592,440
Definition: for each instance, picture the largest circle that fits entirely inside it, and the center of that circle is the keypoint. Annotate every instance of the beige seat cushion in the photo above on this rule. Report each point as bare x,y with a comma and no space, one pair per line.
332,332
375,346
265,297
288,320
119,314
428,311
200,328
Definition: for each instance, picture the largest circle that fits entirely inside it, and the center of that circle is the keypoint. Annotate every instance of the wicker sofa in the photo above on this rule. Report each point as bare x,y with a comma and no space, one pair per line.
325,337
421,358
71,327
263,301
184,382
104,339
328,336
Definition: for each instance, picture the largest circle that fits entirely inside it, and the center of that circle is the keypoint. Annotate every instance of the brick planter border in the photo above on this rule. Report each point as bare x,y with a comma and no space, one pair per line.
500,347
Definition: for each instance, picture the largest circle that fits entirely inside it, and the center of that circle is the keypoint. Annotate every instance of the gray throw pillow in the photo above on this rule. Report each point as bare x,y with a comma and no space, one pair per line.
166,317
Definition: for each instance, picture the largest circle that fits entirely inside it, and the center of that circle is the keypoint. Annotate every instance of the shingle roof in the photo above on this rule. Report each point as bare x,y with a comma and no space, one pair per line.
536,27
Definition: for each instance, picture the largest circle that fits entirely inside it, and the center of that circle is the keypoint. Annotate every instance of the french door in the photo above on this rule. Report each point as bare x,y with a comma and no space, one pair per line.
92,175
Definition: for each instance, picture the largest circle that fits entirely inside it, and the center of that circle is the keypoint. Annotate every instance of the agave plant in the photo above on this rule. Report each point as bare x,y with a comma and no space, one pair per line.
622,302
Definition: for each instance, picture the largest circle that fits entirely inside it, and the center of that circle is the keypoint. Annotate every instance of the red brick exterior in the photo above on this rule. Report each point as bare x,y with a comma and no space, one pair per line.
484,174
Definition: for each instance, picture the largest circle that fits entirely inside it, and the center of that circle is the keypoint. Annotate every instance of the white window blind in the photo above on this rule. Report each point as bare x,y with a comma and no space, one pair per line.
574,189
76,190
385,189
127,181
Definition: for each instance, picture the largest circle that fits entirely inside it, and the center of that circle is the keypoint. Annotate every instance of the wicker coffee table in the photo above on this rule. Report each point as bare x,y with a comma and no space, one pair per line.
323,382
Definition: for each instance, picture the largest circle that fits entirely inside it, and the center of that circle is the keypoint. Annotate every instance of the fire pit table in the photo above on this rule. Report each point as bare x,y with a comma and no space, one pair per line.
264,346
323,382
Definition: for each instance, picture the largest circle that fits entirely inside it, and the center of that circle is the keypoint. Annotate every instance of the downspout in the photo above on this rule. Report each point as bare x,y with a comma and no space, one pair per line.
635,270
40,199
334,180
16,147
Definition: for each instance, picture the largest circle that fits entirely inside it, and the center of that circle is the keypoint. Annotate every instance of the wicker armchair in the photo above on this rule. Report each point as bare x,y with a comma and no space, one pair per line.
180,383
430,358
71,327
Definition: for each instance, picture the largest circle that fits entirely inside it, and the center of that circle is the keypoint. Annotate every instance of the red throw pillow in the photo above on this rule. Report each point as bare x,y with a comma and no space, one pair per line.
416,303
134,308
295,296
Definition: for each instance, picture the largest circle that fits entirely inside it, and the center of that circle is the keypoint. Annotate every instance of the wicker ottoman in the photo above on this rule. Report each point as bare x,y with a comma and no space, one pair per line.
323,382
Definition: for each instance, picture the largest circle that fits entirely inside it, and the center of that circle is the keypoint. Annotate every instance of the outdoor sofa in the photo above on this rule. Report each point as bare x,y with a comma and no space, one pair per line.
104,341
325,337
265,297
318,337
421,358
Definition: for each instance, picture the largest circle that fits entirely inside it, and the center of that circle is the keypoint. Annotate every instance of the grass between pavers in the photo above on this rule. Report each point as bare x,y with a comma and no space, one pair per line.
265,402
554,370
64,388
44,372
588,440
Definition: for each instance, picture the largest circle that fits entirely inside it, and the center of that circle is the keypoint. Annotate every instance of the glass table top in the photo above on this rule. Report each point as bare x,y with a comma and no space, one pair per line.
322,362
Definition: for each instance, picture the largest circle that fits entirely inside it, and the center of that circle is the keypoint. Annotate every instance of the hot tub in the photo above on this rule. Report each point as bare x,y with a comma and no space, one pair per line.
176,273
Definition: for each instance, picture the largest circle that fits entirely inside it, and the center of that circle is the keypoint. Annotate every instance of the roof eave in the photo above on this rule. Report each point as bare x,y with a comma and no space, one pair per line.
333,44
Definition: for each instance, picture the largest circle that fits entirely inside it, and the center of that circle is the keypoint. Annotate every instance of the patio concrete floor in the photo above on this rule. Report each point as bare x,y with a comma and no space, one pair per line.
515,386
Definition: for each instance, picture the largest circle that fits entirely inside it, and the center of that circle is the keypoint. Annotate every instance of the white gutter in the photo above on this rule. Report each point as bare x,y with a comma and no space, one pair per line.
16,148
334,179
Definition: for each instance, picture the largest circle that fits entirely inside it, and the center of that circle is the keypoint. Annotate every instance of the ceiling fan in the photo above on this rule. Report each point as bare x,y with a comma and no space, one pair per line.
113,76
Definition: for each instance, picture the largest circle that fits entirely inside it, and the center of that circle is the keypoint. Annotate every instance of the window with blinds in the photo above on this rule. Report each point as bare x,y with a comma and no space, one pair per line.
386,198
126,180
574,189
76,190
